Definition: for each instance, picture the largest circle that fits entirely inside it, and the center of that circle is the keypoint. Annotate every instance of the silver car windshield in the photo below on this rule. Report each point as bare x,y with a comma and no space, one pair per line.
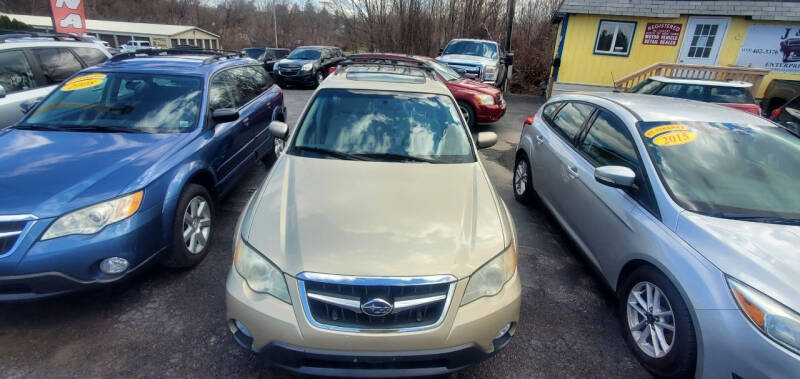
385,126
728,170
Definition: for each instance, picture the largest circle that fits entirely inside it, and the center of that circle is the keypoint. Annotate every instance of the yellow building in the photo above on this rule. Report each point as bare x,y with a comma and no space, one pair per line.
601,41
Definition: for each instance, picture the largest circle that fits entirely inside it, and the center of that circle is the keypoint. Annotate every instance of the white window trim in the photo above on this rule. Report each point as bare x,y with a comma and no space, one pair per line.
614,39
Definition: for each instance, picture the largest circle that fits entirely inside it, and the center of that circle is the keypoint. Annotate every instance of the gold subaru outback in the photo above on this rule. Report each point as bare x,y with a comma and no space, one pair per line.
377,245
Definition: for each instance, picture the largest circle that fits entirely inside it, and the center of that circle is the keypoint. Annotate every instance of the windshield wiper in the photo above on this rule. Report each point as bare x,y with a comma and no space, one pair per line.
332,153
39,127
764,219
103,129
397,157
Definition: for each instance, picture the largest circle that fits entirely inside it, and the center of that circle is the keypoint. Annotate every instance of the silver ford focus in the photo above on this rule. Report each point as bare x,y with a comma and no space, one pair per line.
690,212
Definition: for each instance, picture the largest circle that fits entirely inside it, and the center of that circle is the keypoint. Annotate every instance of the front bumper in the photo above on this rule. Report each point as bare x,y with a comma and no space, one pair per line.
490,113
731,346
38,269
284,336
304,78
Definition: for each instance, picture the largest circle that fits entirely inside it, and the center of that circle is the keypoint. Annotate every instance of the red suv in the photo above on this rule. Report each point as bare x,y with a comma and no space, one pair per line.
479,102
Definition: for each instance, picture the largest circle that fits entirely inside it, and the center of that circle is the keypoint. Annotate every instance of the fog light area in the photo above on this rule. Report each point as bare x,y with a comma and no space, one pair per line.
114,265
242,328
503,331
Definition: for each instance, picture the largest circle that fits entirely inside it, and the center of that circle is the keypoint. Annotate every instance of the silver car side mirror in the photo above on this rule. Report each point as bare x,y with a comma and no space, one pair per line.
486,139
615,176
278,129
2,92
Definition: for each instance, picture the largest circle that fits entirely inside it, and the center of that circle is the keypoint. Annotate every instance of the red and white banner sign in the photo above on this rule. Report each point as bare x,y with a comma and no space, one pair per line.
68,16
664,34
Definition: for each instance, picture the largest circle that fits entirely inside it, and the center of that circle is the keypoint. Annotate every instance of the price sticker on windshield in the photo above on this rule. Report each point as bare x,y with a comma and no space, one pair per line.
674,138
663,129
83,82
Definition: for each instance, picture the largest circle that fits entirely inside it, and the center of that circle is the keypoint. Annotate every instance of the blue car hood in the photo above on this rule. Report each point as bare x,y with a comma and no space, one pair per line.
47,173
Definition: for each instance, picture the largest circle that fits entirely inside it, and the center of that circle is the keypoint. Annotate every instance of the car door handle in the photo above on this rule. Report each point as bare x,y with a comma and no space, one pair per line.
572,171
539,139
246,122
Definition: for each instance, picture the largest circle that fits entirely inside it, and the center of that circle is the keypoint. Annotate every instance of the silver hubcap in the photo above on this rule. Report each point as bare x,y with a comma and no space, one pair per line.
196,225
278,146
521,177
319,77
465,112
650,319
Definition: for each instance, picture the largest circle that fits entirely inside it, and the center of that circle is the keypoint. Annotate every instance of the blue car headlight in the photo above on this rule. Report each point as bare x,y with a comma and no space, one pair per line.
94,218
774,319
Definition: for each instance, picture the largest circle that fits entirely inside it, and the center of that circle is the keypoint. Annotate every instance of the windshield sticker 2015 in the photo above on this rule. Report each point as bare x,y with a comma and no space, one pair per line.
83,82
674,138
664,128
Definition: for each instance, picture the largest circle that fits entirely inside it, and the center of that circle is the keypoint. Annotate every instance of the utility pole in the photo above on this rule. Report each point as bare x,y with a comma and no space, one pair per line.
509,61
275,22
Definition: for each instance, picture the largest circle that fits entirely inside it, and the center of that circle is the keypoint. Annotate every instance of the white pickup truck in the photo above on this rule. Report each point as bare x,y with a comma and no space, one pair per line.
476,59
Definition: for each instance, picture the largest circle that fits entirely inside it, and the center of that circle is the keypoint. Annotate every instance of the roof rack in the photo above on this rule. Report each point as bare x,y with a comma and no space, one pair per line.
17,34
215,55
385,61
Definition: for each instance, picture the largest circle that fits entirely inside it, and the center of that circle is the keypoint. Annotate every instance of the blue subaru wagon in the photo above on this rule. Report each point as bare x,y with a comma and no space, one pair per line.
121,164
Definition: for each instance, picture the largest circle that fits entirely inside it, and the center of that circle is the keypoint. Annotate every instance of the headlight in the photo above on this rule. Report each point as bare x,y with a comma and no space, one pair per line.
490,73
259,273
94,218
307,67
490,279
485,99
774,319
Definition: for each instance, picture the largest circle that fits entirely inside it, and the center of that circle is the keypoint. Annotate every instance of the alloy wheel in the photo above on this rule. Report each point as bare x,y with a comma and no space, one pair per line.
521,177
650,319
279,142
320,78
196,224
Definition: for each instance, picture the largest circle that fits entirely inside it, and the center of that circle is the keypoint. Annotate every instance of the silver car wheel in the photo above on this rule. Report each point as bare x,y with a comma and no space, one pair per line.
465,112
320,78
196,224
278,146
521,177
650,319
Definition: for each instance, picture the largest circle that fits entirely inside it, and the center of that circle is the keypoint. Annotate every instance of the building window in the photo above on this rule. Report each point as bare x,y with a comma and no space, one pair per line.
174,42
614,37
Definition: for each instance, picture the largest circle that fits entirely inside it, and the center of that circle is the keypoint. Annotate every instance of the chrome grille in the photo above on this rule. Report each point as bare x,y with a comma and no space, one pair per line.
470,70
11,228
344,303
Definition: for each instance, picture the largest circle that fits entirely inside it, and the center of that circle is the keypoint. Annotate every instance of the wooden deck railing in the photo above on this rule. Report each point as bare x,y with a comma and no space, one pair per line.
691,71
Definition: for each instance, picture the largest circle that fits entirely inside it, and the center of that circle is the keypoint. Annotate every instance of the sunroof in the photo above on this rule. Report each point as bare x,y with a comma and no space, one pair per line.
385,73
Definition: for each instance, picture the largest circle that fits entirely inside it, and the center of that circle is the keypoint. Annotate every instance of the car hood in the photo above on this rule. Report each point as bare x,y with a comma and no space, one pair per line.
300,62
461,58
47,173
376,218
474,85
764,256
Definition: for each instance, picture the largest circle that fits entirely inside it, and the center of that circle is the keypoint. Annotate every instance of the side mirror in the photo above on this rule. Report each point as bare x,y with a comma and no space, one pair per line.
486,139
2,92
279,129
27,105
509,59
223,115
615,176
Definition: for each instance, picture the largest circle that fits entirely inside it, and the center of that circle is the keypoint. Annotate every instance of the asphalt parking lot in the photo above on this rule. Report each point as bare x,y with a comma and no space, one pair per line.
171,323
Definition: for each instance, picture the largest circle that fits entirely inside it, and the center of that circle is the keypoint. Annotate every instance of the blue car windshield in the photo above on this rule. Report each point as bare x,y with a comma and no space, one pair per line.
481,49
304,54
383,126
122,102
727,170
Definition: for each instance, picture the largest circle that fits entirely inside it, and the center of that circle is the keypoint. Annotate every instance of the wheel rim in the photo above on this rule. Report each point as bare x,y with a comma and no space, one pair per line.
278,146
521,177
650,319
465,112
196,225
319,77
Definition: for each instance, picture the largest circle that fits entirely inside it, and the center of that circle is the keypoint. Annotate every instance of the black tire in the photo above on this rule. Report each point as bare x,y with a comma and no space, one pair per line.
468,112
523,191
271,156
680,361
180,255
318,78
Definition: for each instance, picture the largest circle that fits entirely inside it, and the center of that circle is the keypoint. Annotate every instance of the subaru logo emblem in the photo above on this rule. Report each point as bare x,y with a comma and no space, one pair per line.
376,308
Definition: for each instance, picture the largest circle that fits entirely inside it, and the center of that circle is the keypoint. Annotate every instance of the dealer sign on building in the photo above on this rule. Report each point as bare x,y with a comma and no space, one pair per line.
774,47
665,34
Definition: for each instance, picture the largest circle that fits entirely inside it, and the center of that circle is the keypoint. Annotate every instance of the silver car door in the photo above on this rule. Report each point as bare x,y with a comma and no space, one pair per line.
604,217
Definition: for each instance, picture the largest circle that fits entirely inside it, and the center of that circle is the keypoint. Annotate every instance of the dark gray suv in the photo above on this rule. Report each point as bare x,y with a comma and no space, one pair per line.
306,65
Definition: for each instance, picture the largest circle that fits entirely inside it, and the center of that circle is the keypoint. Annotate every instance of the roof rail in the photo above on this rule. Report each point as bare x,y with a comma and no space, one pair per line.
17,34
214,54
385,61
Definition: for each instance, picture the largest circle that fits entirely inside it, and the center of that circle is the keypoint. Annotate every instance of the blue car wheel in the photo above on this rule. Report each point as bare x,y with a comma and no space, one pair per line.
192,228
